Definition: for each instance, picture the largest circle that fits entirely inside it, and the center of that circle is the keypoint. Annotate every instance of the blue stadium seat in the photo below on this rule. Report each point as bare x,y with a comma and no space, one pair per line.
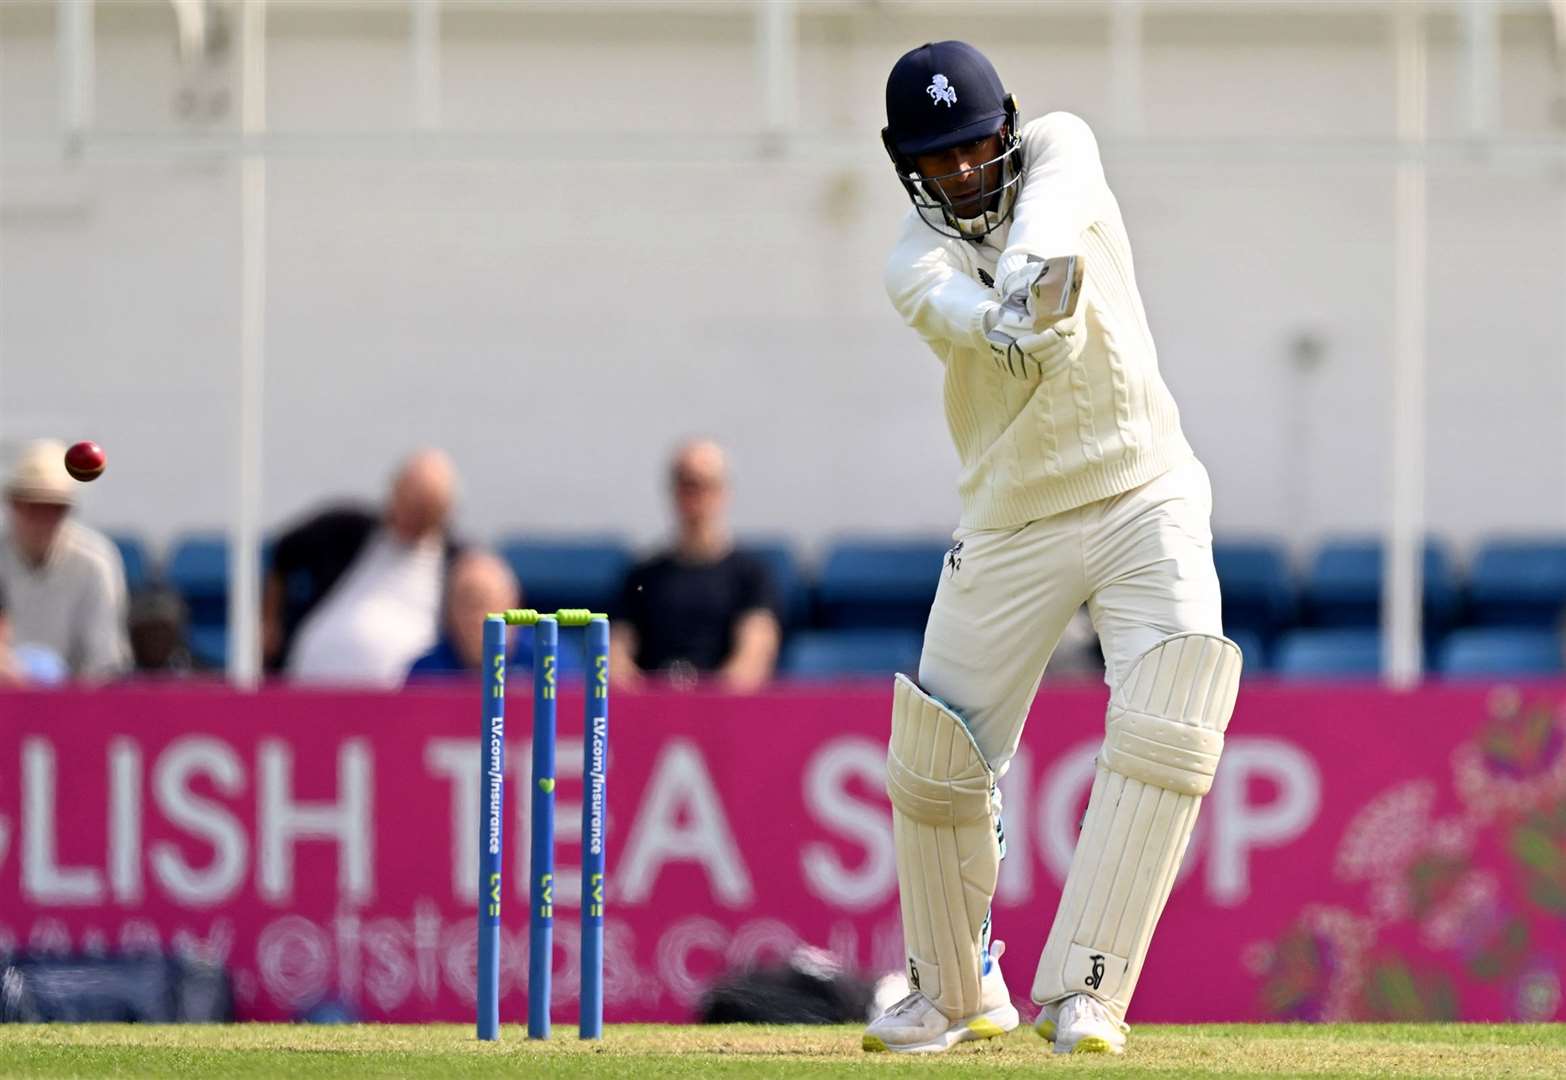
793,596
133,553
209,645
879,584
1482,652
1518,583
1328,654
198,571
826,654
1343,587
1251,649
1258,593
577,572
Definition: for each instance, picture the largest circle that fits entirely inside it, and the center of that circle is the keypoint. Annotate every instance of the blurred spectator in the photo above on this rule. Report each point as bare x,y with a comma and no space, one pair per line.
354,597
64,582
701,607
479,583
158,642
10,670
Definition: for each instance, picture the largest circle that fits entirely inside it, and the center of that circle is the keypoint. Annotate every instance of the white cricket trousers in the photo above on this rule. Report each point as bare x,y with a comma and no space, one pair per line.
1142,561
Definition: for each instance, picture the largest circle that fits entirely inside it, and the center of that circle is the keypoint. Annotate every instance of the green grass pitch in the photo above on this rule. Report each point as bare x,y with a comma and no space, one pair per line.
647,1051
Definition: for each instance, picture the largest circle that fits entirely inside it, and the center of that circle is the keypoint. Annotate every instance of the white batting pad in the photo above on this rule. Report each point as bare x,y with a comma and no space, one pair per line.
1164,736
948,855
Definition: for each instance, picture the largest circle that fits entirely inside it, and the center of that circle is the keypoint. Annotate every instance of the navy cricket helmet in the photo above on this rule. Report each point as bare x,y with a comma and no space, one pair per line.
944,94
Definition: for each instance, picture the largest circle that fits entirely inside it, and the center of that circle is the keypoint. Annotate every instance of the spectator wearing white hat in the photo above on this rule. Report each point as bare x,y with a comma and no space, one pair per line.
64,583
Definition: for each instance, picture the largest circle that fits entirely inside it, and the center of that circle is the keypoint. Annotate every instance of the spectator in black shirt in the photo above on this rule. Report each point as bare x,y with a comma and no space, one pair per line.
701,608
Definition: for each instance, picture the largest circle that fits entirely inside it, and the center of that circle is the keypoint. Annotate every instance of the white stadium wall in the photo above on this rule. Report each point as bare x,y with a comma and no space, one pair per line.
577,271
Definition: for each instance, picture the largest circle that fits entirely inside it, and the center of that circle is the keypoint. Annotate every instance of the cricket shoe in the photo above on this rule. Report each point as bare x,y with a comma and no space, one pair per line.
1080,1024
915,1026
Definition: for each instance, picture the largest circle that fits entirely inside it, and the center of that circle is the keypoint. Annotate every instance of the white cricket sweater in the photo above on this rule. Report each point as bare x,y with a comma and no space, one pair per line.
1091,417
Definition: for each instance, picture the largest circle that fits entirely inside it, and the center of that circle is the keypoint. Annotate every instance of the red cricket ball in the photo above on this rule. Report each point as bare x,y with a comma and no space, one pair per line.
85,461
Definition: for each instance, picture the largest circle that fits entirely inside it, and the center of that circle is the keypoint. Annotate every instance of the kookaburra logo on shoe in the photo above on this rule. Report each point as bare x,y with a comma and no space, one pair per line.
941,91
1098,972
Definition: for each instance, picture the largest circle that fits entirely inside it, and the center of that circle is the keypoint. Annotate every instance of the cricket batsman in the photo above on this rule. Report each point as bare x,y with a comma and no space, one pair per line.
1077,487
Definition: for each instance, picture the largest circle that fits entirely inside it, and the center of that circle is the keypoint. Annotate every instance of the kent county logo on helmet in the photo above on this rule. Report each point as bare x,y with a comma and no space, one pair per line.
940,90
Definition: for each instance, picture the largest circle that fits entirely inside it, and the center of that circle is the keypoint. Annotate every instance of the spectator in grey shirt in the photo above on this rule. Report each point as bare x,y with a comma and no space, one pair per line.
64,583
